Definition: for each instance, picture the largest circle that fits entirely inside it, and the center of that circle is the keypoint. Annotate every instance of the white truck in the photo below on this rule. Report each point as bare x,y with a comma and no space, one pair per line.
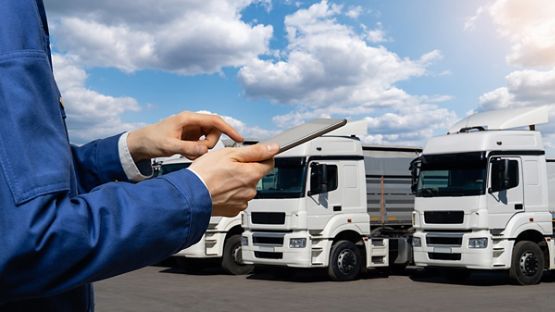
334,203
485,197
222,240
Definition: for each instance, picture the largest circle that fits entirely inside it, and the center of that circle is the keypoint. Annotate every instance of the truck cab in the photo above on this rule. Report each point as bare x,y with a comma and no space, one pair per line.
312,210
483,197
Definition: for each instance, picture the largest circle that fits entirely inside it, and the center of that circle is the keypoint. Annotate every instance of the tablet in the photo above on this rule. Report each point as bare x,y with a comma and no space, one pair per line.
305,132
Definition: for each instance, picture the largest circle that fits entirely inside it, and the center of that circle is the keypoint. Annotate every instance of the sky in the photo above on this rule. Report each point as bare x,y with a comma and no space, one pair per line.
409,68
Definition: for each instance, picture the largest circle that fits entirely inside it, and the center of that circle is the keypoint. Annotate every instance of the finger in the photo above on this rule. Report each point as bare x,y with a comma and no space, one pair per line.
212,138
255,153
213,121
191,149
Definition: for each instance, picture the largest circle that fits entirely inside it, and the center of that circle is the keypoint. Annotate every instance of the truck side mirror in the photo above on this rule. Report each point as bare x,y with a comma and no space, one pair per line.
323,178
414,168
501,176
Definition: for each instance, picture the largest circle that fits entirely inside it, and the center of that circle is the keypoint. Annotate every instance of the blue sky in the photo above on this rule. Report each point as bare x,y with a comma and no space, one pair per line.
411,67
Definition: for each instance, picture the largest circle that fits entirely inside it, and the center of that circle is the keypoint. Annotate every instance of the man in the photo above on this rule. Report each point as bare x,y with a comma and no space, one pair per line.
64,221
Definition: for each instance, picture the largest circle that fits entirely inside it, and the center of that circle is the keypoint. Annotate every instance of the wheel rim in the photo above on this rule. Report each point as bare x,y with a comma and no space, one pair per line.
237,256
529,264
346,261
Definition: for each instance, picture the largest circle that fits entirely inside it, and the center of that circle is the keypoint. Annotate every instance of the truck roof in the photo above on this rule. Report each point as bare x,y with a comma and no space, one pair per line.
503,119
508,140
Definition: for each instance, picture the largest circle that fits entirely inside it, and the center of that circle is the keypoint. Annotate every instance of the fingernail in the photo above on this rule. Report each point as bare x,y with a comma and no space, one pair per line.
272,147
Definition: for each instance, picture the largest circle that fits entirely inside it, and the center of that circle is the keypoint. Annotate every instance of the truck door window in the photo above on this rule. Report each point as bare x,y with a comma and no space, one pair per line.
332,177
504,174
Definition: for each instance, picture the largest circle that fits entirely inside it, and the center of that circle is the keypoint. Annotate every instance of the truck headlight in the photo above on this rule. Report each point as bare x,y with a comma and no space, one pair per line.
244,241
416,242
297,243
481,242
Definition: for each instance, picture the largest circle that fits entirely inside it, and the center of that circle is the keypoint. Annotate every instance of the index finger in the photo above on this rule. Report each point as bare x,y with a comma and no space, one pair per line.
215,121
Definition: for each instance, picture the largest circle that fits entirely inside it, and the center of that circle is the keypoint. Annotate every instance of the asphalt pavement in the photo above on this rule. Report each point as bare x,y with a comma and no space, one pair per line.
169,287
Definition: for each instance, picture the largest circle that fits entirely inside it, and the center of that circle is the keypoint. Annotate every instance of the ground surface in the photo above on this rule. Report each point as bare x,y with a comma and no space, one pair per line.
170,288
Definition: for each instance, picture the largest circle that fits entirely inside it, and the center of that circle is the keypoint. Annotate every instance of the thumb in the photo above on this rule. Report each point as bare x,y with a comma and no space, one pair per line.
191,149
255,153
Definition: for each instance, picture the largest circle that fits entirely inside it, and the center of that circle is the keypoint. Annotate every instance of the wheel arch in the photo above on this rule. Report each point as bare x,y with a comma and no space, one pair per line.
236,229
538,238
355,238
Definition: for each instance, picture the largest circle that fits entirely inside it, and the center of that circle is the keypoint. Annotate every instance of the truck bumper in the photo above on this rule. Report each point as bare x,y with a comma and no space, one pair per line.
496,255
211,245
272,248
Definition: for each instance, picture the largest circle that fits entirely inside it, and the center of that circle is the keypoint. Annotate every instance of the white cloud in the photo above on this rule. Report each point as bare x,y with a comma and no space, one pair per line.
328,69
90,115
470,23
376,35
183,36
327,62
524,88
354,11
530,28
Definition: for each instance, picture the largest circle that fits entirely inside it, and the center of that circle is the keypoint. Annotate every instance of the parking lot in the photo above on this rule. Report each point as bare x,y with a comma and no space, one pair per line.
169,287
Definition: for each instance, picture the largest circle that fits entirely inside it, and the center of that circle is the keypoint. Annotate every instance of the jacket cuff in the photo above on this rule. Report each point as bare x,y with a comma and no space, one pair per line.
135,172
198,200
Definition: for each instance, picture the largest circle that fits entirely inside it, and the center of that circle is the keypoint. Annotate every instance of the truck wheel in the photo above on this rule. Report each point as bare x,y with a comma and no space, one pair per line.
232,260
527,264
345,261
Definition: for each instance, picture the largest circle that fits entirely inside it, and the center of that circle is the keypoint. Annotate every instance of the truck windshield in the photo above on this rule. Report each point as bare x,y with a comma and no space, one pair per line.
286,180
462,174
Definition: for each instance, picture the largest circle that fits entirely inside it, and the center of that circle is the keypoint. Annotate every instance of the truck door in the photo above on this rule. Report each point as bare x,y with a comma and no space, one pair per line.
321,205
505,195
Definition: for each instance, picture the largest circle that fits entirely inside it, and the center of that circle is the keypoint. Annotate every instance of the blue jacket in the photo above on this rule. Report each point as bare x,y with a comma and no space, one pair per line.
64,221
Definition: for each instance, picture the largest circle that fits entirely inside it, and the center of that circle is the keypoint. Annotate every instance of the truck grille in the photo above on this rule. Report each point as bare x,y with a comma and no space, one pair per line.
268,255
263,240
444,217
268,217
444,241
444,256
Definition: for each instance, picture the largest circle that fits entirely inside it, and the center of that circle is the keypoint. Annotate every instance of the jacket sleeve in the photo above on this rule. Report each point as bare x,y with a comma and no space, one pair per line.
55,242
53,239
97,162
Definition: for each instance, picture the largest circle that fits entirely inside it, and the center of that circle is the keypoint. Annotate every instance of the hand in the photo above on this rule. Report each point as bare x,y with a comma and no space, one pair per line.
231,175
179,134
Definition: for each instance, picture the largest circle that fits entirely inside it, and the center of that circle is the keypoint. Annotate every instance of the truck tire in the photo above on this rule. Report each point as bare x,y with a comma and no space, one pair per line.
231,260
527,264
345,261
